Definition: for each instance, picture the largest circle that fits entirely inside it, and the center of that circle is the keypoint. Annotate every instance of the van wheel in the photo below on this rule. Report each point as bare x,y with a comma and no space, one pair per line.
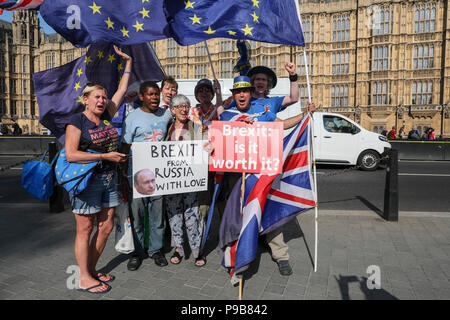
369,160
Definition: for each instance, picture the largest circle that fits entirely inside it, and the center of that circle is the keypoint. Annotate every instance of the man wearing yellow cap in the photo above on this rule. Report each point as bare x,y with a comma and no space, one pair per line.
251,111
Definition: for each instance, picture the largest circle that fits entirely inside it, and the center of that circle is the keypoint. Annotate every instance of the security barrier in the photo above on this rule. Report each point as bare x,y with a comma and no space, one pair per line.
421,150
20,145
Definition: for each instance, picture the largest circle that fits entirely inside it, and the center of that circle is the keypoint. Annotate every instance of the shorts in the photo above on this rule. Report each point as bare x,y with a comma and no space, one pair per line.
101,192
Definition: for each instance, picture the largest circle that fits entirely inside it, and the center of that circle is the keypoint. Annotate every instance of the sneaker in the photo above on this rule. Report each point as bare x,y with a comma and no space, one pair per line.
134,263
284,267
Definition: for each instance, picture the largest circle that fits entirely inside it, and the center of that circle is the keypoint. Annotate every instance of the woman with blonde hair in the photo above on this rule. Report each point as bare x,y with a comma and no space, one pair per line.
91,129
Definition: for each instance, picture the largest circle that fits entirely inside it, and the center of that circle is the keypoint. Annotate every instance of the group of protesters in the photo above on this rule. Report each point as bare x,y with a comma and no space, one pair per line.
161,114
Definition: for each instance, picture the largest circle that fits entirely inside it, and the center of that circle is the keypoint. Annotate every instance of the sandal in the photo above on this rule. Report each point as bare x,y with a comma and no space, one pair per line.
200,258
176,255
108,287
104,275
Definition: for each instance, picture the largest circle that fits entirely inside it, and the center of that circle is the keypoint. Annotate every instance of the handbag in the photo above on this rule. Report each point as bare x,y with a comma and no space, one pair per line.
38,178
74,177
124,235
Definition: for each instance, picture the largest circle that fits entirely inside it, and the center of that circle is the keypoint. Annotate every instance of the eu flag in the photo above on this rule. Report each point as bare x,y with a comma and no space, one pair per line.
83,22
261,20
59,90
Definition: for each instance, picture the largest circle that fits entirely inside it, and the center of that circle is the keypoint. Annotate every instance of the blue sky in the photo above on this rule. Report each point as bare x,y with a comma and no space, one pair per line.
7,16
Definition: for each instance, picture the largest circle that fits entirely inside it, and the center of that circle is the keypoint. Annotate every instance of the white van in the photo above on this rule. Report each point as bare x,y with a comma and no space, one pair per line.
339,140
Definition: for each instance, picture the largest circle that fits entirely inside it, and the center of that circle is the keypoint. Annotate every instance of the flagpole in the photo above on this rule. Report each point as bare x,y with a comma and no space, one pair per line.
242,206
308,85
210,61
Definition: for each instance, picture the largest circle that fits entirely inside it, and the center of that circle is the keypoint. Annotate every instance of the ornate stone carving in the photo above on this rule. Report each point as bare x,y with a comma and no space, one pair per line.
424,111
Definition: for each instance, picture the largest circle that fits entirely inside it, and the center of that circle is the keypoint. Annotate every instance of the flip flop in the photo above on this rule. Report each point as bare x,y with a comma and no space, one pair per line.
201,258
96,286
177,255
100,275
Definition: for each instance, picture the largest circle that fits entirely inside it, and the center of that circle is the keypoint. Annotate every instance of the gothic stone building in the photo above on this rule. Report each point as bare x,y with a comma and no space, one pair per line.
24,50
381,63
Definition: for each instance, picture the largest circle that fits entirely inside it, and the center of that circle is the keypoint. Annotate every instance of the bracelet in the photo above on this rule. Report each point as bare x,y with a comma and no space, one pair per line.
127,72
293,77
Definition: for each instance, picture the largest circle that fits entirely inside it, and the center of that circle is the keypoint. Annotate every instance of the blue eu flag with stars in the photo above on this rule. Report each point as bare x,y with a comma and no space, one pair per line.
260,20
83,22
59,90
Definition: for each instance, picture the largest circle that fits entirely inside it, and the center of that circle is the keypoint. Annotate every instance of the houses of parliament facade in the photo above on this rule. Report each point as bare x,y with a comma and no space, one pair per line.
381,63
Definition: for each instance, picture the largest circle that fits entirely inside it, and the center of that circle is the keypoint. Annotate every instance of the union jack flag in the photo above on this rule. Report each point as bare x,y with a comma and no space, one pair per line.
20,4
269,201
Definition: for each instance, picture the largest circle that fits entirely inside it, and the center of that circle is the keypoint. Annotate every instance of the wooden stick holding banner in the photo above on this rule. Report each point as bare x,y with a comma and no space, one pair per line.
210,61
308,85
242,207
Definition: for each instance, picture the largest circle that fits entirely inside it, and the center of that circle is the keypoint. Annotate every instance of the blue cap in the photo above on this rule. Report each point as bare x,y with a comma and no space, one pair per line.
241,82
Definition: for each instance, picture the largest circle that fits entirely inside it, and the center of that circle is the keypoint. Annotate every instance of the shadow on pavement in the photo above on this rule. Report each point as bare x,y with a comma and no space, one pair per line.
369,294
291,230
371,206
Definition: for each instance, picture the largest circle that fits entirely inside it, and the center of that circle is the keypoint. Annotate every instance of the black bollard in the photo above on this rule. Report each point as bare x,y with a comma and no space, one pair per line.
391,187
56,201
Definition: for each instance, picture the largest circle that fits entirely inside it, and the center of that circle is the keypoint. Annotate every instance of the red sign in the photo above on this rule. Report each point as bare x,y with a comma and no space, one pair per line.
250,148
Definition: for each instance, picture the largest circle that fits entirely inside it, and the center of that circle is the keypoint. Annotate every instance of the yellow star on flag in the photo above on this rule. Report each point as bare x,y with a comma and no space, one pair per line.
87,60
80,99
119,67
100,54
189,4
231,33
138,26
255,3
195,19
77,86
247,30
255,17
95,8
145,1
110,23
111,58
209,31
144,13
79,72
125,32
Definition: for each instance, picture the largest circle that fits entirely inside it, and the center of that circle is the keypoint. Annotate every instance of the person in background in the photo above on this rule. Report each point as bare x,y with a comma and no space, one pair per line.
205,112
431,134
402,134
3,129
17,130
392,135
169,88
413,134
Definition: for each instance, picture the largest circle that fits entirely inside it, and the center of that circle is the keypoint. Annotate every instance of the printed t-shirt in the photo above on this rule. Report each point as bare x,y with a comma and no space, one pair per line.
104,135
274,103
256,112
142,126
196,115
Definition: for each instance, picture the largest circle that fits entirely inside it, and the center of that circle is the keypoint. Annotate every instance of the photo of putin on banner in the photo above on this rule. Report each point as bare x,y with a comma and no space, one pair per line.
144,182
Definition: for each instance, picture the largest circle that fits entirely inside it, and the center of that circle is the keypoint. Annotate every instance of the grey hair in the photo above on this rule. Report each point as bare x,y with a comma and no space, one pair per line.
179,99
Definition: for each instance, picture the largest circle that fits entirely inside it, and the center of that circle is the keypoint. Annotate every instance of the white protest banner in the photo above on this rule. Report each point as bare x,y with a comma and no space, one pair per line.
169,167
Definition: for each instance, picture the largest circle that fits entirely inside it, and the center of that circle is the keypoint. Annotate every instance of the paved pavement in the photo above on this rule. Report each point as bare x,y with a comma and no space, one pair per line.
413,256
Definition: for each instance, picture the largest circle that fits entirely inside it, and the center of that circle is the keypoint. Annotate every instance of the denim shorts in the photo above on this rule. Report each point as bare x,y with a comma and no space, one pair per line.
101,192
